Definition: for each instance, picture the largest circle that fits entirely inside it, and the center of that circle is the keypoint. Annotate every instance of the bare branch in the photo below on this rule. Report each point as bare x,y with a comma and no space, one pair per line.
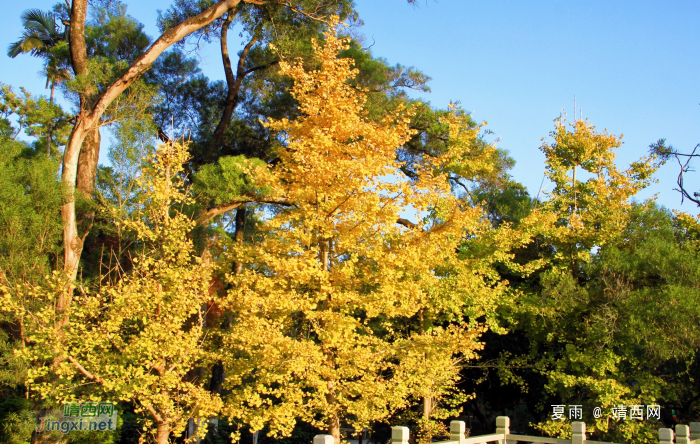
259,67
684,168
406,223
220,209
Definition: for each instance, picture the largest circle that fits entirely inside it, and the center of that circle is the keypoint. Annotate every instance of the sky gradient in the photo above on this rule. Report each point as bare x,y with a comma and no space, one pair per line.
632,65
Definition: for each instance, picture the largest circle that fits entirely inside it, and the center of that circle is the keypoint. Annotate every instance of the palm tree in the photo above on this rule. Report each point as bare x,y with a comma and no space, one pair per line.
40,35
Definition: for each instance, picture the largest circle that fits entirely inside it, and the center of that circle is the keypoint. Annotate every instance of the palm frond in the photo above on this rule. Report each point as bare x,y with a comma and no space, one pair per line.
30,42
39,36
40,20
14,49
36,45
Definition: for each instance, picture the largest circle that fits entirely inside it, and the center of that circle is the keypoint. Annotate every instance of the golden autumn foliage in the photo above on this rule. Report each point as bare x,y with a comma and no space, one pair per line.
591,195
378,245
139,340
363,293
337,315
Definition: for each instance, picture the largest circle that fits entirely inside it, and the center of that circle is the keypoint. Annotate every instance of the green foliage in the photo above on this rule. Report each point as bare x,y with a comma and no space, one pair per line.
138,339
37,118
509,204
29,217
18,421
618,330
229,180
31,227
114,34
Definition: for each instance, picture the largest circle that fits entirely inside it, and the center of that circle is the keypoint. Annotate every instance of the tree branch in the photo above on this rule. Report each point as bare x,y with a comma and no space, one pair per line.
213,212
234,84
685,167
220,209
170,37
82,370
259,67
406,223
88,118
152,411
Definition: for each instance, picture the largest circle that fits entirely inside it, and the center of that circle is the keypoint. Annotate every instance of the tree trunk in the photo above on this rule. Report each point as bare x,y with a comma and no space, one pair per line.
333,418
72,244
217,371
334,428
91,112
234,84
50,130
217,377
87,162
76,38
162,433
48,141
240,230
427,406
324,254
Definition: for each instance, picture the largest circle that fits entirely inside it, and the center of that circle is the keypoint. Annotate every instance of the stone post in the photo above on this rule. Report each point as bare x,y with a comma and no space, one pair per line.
665,436
682,434
457,431
579,432
694,431
503,426
324,439
399,435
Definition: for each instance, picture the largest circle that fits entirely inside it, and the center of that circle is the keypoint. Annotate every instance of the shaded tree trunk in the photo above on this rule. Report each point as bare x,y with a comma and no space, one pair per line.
233,83
87,162
48,141
240,230
217,370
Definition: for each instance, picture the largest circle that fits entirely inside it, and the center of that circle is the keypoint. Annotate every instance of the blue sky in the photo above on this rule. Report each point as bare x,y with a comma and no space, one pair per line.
634,67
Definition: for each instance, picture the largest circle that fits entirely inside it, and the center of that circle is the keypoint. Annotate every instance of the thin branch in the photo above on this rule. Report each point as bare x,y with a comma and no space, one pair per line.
82,370
406,223
259,67
305,14
685,168
457,181
220,209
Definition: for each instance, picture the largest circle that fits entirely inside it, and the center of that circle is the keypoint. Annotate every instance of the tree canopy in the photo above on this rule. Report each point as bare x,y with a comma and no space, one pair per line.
305,247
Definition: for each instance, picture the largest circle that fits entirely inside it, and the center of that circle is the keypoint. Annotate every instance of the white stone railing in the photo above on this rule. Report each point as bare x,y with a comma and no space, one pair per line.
399,435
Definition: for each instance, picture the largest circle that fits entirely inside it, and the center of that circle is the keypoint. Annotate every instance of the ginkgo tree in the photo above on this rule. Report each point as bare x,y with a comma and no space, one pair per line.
591,194
140,340
343,297
569,311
